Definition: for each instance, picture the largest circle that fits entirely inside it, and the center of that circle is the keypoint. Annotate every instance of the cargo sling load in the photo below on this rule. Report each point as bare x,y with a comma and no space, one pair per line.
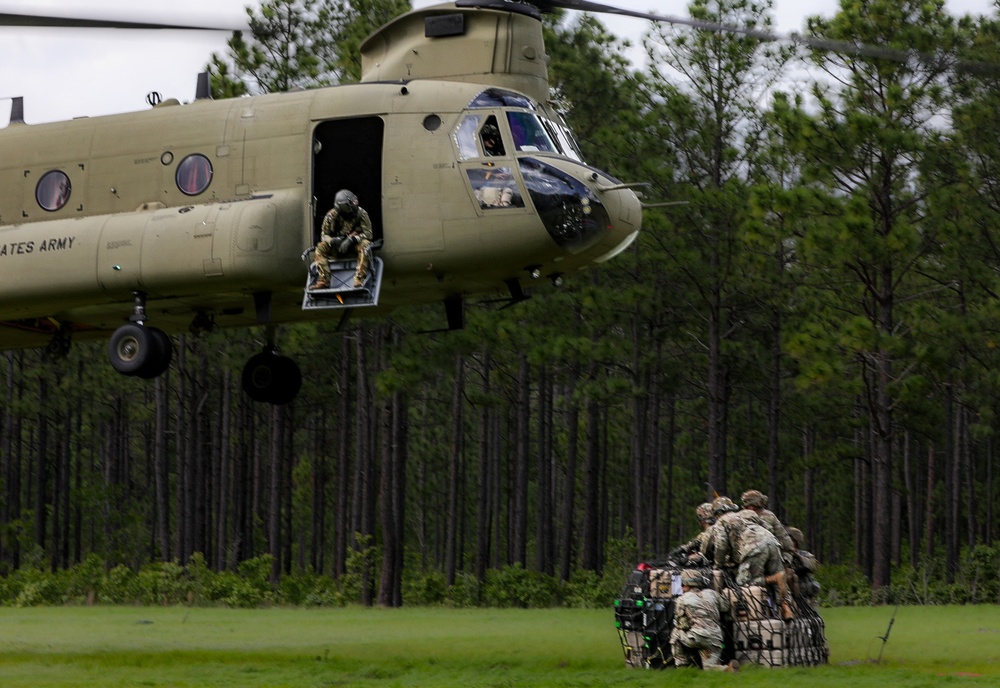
754,631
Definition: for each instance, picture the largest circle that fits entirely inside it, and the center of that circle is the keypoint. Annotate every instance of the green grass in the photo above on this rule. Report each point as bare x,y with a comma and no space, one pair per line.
472,648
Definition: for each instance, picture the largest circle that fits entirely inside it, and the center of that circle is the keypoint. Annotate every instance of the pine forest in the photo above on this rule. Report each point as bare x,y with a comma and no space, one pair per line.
814,315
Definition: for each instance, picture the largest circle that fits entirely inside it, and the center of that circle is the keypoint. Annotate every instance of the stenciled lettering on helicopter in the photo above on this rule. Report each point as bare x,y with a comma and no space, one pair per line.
23,248
18,248
59,244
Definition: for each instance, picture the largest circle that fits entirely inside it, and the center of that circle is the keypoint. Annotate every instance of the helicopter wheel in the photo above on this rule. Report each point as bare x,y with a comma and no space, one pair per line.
159,359
139,351
270,378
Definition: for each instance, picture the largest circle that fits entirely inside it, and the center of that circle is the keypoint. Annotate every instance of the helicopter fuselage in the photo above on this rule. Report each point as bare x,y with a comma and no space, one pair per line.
199,207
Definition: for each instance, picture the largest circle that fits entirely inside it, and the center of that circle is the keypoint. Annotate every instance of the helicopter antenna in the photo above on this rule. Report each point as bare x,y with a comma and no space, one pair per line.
203,91
17,110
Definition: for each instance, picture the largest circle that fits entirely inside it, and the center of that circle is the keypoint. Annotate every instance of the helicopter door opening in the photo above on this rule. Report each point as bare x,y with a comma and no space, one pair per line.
347,154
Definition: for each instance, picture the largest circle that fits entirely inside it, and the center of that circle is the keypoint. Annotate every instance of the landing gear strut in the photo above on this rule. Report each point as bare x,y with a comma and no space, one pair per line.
137,350
268,376
58,347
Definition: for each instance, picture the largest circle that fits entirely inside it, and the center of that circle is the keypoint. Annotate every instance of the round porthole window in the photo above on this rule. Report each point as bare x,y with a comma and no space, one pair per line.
194,174
53,190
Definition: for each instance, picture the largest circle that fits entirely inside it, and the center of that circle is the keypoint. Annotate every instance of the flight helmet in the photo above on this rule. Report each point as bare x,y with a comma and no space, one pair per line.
346,203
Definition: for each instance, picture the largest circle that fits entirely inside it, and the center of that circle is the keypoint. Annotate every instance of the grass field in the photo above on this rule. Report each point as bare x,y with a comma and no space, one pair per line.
180,647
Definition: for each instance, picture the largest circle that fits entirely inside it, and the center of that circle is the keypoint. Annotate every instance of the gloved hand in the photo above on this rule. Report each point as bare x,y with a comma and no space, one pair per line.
347,244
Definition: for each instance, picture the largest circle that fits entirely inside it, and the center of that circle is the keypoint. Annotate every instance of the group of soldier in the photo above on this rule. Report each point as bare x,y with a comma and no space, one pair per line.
750,543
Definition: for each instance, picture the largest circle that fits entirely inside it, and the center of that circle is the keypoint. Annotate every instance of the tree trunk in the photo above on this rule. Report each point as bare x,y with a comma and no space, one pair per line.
569,490
454,470
592,485
483,501
543,516
274,543
342,526
520,506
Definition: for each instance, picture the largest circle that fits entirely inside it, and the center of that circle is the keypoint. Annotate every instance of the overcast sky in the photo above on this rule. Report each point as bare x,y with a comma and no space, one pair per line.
65,73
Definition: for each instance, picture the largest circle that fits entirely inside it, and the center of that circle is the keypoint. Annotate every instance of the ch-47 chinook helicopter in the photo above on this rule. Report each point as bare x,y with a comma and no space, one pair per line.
137,225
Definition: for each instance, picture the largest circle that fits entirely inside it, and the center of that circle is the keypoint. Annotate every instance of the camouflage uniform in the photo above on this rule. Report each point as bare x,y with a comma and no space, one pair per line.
697,626
342,235
757,502
741,540
701,542
805,565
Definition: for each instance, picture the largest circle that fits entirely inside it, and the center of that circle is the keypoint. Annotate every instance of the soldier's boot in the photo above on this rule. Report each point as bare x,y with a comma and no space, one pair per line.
778,580
323,272
363,258
733,666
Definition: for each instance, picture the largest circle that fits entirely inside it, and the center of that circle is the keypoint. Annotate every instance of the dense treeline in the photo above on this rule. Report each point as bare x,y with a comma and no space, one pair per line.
818,321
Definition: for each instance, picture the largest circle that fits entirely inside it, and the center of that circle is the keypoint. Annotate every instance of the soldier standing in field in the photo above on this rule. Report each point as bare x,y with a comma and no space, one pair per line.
346,230
697,632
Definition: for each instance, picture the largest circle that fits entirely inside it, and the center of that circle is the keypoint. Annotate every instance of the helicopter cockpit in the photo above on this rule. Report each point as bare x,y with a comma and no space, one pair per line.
505,140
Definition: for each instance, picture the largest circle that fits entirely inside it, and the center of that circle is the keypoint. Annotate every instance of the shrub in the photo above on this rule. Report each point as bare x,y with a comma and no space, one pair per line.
36,587
513,586
163,583
424,588
120,585
586,590
466,592
309,589
842,585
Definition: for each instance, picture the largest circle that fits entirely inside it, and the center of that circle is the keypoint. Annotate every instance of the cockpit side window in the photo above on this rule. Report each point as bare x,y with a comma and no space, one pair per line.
489,137
568,143
465,137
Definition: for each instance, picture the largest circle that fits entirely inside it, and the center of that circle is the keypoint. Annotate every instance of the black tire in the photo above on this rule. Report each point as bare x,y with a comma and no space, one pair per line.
289,381
131,348
271,379
159,359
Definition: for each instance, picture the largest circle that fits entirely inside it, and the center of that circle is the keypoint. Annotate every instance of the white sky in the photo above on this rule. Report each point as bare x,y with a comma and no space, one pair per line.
65,73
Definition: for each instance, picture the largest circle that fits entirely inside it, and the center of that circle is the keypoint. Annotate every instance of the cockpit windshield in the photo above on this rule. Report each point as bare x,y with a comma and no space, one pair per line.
533,127
529,134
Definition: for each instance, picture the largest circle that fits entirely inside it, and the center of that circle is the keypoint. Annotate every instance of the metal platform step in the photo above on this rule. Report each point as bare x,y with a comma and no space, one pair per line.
342,293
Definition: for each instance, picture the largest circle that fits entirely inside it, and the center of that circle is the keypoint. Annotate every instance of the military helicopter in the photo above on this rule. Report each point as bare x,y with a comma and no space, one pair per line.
133,226
137,225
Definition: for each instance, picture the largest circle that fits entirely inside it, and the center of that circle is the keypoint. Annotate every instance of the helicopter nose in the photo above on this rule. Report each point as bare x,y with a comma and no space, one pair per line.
590,219
625,219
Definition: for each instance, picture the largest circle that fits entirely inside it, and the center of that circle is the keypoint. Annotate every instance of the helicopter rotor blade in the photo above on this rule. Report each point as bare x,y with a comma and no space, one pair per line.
52,21
813,42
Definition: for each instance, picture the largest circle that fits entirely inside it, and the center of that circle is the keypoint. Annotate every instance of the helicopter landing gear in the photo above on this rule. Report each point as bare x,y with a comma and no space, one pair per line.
58,347
137,350
271,378
268,376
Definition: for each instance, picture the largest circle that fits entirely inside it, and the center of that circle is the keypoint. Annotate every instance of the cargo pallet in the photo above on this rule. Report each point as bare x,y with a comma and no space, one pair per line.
754,632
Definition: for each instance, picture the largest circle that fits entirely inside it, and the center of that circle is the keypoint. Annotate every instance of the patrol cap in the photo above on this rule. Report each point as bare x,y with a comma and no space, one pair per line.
754,498
723,505
796,534
693,578
704,511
